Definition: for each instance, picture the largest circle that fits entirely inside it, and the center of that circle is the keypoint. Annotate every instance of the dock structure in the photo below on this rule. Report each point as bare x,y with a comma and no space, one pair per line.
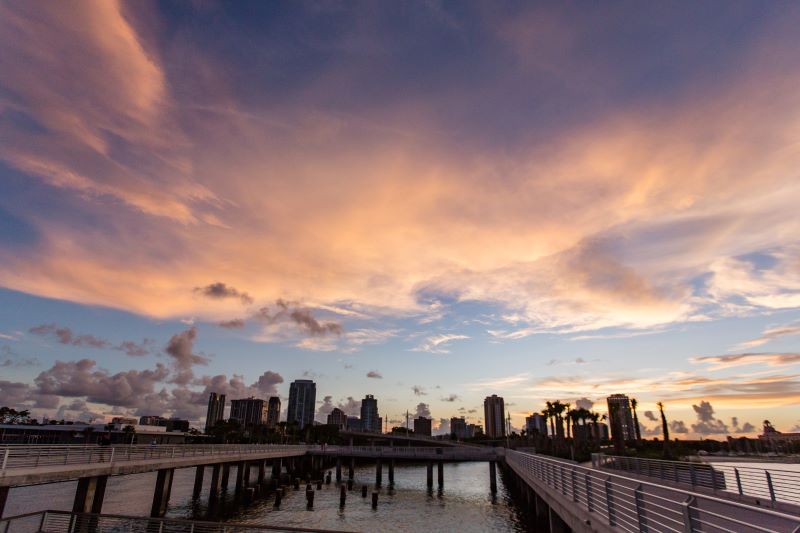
562,496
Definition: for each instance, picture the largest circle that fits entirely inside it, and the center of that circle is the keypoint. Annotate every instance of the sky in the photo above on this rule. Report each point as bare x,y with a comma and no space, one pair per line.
430,202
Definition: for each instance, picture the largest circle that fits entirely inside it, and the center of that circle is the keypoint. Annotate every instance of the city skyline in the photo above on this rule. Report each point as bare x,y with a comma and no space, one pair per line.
430,205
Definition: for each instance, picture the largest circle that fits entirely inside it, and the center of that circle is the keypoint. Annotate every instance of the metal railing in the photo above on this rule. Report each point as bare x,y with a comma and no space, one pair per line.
410,452
14,457
629,504
770,484
66,522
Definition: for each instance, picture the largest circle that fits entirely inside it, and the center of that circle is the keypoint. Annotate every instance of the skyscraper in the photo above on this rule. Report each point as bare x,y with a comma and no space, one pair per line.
273,411
620,416
249,411
536,424
422,426
494,413
302,402
337,418
370,421
458,427
216,410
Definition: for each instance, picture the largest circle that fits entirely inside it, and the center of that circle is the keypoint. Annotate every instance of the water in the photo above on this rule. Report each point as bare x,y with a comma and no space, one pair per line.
465,504
785,479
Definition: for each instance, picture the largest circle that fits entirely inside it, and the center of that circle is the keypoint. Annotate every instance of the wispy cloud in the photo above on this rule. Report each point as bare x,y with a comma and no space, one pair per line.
438,343
720,362
772,333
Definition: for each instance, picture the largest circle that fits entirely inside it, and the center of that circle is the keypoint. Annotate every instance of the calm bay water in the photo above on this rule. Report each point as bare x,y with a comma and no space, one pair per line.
465,504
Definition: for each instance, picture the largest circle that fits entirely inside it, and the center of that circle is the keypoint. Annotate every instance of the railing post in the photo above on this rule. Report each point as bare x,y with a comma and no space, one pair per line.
588,481
111,459
42,521
574,492
738,481
692,474
66,457
607,486
687,514
637,500
771,488
5,460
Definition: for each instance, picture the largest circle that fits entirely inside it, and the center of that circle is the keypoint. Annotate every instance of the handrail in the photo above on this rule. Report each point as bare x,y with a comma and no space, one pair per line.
41,456
631,504
65,521
772,484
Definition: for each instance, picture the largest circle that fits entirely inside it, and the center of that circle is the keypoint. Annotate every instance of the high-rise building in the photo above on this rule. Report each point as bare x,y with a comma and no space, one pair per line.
337,418
152,420
620,416
494,415
422,426
249,411
370,421
535,424
273,411
458,427
216,410
353,423
302,402
474,430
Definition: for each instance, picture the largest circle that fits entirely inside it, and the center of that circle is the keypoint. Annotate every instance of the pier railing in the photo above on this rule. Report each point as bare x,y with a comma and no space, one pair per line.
16,456
770,484
630,504
66,522
424,453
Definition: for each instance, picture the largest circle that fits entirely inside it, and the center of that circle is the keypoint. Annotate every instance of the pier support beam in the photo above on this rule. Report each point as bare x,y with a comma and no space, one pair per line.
338,469
262,471
430,474
276,468
378,472
440,472
391,471
226,474
89,494
240,466
493,476
350,474
162,492
3,498
198,482
246,479
213,490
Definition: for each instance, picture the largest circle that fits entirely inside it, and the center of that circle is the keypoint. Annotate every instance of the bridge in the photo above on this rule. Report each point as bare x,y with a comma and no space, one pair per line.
564,496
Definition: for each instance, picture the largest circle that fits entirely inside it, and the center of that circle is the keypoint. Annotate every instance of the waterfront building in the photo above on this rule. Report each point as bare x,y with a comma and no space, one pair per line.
151,420
337,418
474,430
422,426
273,411
216,410
249,411
370,421
123,421
302,402
353,423
620,415
458,427
494,416
771,436
536,424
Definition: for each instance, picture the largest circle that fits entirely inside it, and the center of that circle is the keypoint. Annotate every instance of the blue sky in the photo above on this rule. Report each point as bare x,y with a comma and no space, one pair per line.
458,199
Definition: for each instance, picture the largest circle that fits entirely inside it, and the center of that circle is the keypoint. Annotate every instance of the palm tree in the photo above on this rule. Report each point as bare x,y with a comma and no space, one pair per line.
546,415
569,420
637,431
664,429
551,412
558,409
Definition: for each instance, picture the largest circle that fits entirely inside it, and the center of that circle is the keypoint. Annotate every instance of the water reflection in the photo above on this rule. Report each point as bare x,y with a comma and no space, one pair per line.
465,503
